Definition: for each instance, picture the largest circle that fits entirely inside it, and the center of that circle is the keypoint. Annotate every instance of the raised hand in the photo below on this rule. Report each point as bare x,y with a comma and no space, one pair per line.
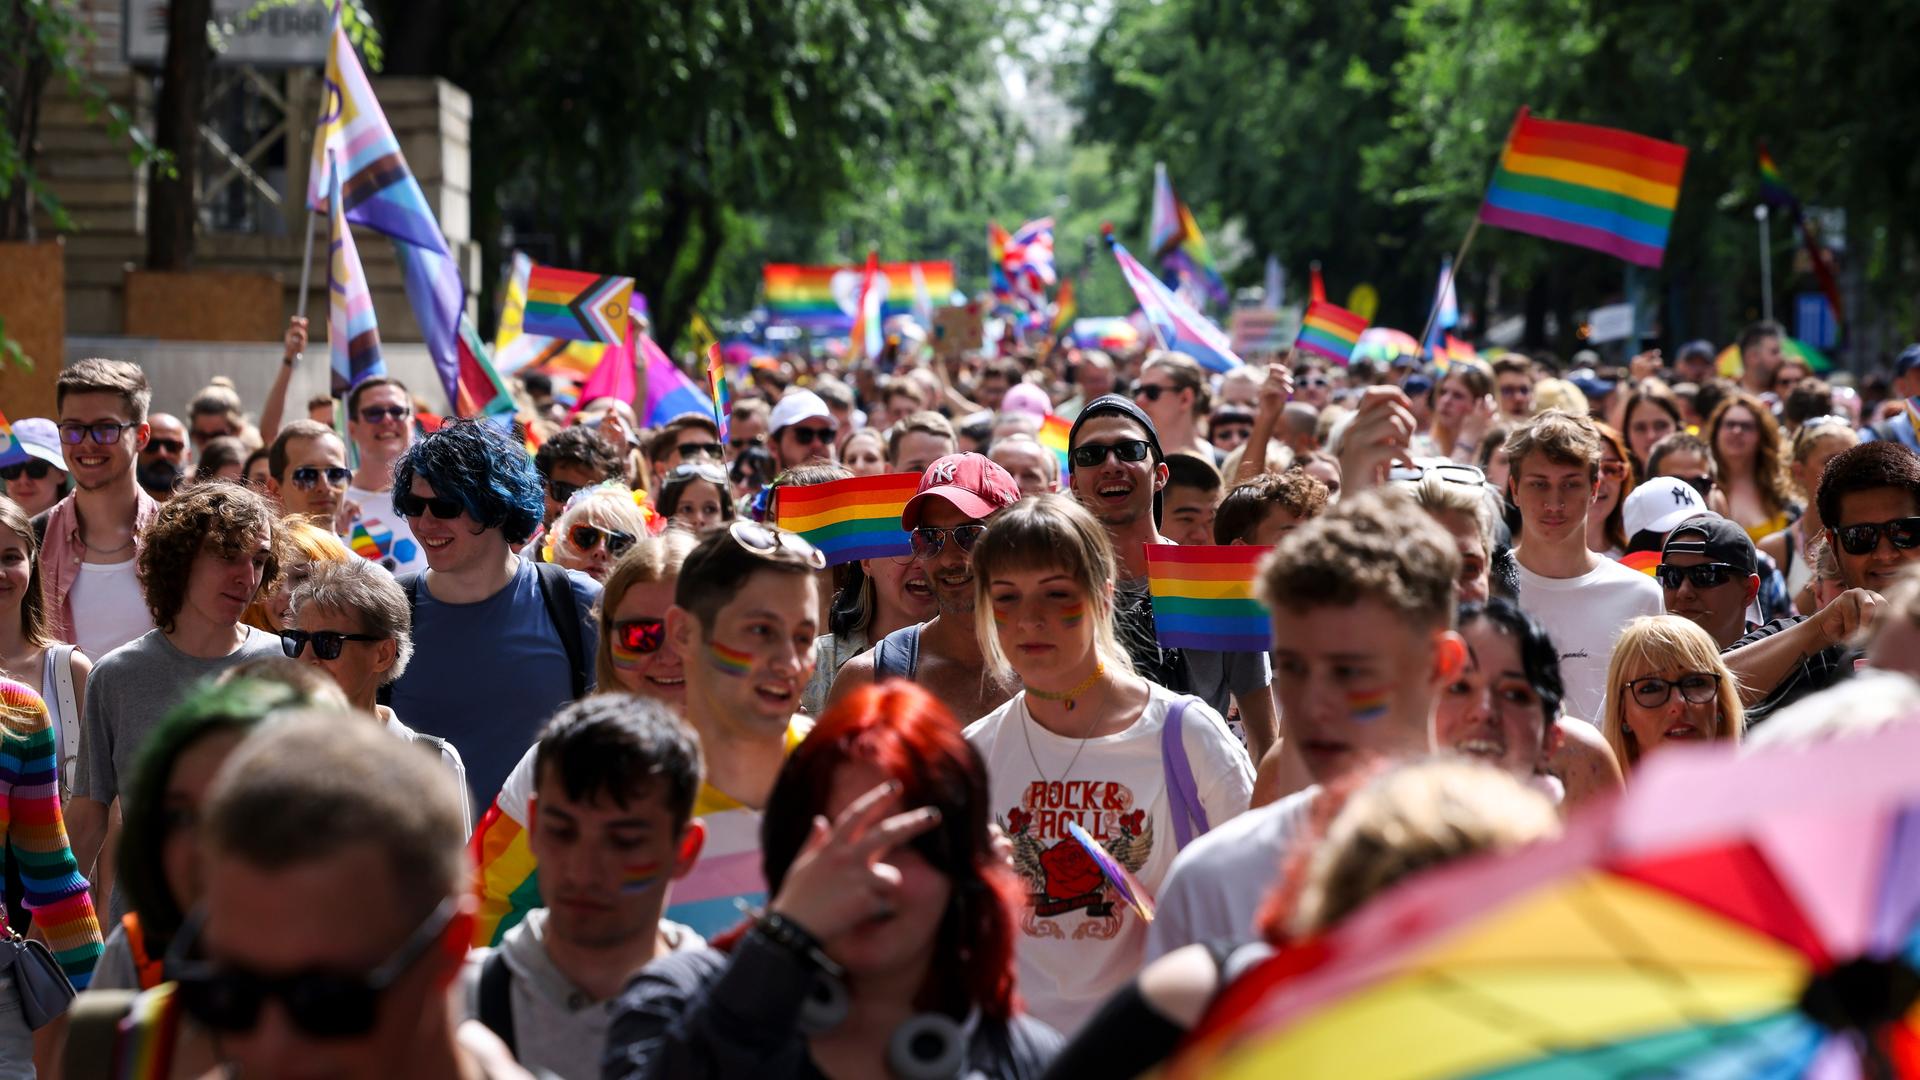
839,879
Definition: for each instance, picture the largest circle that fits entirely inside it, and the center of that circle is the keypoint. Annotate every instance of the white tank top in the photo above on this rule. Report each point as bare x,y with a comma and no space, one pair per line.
108,608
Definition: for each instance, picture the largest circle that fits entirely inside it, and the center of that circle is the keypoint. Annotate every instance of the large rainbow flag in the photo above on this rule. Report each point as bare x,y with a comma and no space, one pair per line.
803,296
1599,188
858,518
1203,597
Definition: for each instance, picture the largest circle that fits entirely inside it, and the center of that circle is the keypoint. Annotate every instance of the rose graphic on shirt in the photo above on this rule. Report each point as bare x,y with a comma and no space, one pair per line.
1067,895
1068,871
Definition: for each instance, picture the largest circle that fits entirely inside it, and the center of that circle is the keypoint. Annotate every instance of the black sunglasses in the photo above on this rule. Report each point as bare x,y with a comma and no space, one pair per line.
1862,539
373,414
322,1004
1091,455
199,436
104,433
166,446
807,436
1696,687
640,635
1704,576
928,541
36,469
326,643
768,543
1701,484
587,537
409,505
560,491
711,449
1150,392
308,476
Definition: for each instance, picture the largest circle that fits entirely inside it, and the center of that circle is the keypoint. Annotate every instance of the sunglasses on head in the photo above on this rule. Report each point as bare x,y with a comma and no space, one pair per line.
807,436
775,544
1696,687
1470,475
928,541
373,414
587,537
322,1004
1903,533
409,505
103,433
166,446
1704,576
35,469
309,476
326,643
1092,455
640,635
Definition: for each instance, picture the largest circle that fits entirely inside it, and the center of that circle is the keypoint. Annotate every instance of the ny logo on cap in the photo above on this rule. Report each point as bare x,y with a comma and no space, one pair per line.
1683,496
942,473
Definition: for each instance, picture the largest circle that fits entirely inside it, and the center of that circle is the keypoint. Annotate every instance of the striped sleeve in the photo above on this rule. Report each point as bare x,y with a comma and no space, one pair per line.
37,839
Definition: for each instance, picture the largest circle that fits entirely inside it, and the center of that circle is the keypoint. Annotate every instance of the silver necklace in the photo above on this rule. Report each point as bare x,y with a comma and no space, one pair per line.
1092,723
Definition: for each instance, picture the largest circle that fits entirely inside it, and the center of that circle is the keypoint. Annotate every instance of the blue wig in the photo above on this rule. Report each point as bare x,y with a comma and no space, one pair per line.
479,466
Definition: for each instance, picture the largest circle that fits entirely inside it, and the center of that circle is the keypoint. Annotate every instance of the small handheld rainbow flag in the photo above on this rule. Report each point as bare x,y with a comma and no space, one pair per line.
1329,330
1064,309
858,518
717,388
1123,882
1203,597
1599,188
1053,435
577,305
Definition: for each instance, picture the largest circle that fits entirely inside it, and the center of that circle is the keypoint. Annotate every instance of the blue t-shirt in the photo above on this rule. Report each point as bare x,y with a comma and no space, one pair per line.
486,676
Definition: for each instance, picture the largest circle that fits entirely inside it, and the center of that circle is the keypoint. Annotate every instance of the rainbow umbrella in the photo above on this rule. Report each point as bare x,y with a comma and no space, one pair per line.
1725,917
1381,344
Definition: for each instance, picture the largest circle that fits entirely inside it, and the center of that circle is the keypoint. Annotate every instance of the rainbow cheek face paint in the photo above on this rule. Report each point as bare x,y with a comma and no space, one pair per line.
625,659
1366,706
639,877
729,661
1071,616
1000,616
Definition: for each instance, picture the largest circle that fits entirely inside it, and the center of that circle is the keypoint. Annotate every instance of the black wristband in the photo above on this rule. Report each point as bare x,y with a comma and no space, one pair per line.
796,939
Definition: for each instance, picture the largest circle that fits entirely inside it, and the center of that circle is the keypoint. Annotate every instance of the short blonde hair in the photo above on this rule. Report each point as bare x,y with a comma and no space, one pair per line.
1652,643
1559,394
1047,532
609,506
1437,495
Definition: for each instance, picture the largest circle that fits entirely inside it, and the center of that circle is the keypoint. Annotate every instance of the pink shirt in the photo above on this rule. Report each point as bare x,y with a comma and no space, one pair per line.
61,554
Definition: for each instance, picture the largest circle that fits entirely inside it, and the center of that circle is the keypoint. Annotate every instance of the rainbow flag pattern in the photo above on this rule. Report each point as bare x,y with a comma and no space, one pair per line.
1064,309
369,545
717,388
1594,187
1644,561
1773,186
10,450
1117,875
1175,322
1449,349
1367,706
1109,332
1177,243
1054,431
803,296
576,305
1203,597
858,518
1330,331
148,1033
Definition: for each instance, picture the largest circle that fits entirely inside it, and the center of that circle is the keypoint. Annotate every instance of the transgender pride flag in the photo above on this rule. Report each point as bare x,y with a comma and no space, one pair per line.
1178,326
353,335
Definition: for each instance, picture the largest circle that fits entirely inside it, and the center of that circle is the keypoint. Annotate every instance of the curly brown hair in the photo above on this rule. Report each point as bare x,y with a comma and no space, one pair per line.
1769,467
220,516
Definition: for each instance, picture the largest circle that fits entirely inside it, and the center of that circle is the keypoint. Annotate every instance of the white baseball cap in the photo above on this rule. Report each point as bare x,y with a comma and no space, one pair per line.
1659,505
795,406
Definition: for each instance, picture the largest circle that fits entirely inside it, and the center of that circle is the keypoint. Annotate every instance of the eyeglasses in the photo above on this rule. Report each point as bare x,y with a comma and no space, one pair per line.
737,445
769,543
36,469
710,449
560,491
807,436
166,446
1150,392
104,432
409,505
323,1004
587,537
928,541
640,635
1704,576
326,643
1862,539
1696,687
1092,455
308,476
1456,473
373,414
1739,425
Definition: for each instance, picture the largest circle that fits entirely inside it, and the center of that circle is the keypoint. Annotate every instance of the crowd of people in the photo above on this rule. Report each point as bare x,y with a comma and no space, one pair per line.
395,749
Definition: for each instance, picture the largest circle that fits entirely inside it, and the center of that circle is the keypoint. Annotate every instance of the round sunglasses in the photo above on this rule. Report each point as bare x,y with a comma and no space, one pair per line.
586,537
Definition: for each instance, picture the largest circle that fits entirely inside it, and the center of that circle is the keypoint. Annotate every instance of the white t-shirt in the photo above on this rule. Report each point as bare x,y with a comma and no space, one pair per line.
382,535
108,608
1078,941
1217,885
1585,616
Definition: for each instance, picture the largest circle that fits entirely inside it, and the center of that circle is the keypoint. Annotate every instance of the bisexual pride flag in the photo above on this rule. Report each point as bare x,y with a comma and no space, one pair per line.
1203,597
1329,330
858,518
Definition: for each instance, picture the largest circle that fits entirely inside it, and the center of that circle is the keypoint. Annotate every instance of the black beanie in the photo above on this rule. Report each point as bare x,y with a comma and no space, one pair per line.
1114,403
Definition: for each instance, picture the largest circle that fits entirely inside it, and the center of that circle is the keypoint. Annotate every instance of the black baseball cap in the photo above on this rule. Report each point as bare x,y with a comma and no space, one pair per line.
1718,539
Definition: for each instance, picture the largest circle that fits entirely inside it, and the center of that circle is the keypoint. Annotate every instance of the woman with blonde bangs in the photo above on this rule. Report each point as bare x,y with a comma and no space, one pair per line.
1815,444
599,525
1138,769
303,544
1667,683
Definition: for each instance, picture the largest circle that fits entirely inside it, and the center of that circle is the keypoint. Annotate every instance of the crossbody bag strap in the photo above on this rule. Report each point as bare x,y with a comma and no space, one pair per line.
1183,794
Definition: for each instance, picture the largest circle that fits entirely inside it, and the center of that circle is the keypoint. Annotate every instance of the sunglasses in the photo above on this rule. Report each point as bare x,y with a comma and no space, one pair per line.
1092,455
409,505
1151,393
1704,576
1701,484
322,1004
587,537
1315,383
326,643
373,414
35,469
771,543
104,433
200,436
640,635
711,449
1696,687
928,541
1470,475
309,476
166,446
1862,539
807,436
738,445
560,491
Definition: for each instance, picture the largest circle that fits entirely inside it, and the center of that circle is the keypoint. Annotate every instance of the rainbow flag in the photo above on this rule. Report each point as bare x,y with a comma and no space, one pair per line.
1064,309
669,391
1773,186
1176,241
1329,330
481,393
1203,597
851,519
1774,192
717,388
1107,332
1599,188
804,297
576,305
11,452
1449,349
1178,326
1644,561
1053,435
148,1034
506,881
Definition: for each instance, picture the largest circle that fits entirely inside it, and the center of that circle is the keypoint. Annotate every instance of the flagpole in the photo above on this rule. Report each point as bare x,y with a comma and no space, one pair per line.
1446,285
1766,264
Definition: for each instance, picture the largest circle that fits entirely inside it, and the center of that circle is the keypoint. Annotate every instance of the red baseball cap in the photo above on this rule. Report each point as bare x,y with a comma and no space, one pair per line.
970,483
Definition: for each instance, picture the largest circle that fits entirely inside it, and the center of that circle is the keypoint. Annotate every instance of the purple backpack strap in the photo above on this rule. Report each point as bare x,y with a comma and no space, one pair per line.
1183,795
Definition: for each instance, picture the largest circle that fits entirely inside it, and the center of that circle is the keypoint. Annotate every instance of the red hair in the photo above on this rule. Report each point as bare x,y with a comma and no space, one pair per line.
905,733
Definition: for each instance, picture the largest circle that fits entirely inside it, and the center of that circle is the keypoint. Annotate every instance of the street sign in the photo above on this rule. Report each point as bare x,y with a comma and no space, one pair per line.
291,36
